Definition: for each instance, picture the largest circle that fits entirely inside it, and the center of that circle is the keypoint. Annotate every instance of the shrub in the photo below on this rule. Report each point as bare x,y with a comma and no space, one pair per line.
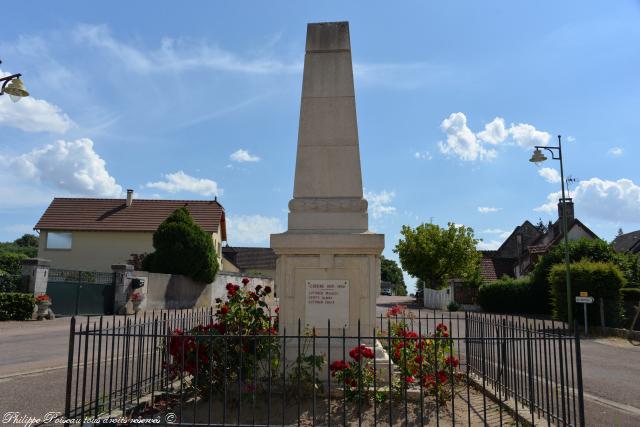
236,347
509,295
453,306
593,250
16,306
426,360
599,279
182,247
11,263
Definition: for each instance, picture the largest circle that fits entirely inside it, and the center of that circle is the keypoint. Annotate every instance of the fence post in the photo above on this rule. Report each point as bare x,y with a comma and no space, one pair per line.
72,340
579,375
602,323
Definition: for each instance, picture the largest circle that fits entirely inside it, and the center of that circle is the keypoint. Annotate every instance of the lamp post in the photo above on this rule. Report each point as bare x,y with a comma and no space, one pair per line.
13,86
539,157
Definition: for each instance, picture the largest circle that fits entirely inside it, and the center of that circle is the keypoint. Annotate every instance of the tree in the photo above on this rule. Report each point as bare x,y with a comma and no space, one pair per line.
27,240
182,247
391,272
596,250
435,254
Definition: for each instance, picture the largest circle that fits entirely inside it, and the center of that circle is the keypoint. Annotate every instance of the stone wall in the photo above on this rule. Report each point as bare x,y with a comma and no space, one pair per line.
169,291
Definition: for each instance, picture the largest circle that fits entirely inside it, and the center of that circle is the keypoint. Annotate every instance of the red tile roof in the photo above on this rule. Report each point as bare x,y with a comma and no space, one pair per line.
487,270
113,214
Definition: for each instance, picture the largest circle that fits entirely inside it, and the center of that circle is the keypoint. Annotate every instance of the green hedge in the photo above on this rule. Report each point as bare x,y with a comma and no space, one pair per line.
508,295
16,306
599,279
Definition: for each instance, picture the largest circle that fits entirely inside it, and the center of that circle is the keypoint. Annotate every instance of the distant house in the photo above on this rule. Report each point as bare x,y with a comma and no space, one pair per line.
92,234
627,243
250,260
519,253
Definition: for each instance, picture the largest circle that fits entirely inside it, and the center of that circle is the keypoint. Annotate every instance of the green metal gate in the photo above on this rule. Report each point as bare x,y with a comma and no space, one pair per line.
75,292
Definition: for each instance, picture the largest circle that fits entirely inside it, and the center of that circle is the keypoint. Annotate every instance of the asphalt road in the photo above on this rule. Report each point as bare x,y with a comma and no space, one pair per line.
33,357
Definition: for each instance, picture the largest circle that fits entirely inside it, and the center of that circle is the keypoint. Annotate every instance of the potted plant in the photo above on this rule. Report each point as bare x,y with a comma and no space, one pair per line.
43,302
136,299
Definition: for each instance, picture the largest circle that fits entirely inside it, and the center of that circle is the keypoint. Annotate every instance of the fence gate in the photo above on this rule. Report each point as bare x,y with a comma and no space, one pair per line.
80,292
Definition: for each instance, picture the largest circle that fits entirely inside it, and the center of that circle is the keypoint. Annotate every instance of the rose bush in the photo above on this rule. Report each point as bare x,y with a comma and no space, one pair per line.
238,347
358,375
426,360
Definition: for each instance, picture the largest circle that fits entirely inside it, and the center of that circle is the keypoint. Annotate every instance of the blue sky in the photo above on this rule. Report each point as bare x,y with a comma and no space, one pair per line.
203,100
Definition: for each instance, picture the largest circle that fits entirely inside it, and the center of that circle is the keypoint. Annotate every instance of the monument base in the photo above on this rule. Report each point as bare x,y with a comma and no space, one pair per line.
334,351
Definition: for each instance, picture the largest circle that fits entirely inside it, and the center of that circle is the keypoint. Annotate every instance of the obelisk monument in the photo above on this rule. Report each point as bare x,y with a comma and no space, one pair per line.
328,263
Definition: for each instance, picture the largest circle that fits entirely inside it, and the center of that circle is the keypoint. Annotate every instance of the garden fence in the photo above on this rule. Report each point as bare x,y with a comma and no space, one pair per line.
180,367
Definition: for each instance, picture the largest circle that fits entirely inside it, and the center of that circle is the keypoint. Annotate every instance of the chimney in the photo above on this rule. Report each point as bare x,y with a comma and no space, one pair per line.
570,212
129,197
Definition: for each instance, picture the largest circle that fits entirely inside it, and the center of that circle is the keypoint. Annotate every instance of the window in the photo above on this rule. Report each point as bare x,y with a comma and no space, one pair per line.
58,240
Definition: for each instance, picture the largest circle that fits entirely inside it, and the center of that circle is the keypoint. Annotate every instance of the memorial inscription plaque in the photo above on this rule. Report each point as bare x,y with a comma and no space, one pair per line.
327,299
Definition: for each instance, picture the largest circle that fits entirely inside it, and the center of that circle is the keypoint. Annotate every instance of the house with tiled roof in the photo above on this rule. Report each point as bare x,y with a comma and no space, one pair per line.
92,234
627,243
519,253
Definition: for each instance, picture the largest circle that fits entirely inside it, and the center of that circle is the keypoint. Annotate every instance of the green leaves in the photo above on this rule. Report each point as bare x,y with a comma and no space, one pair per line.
182,247
434,254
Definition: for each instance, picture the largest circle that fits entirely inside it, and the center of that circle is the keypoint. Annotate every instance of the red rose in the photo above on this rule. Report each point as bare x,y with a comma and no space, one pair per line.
229,286
452,361
442,377
224,309
245,281
441,327
267,290
410,379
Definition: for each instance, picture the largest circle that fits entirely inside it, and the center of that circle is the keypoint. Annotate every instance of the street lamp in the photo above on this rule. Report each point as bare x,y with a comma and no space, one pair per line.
539,157
13,86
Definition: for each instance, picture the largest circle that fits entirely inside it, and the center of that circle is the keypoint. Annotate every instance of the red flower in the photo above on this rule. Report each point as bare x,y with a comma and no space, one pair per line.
224,309
442,377
418,359
410,380
452,361
229,286
277,310
395,310
245,281
441,327
361,351
428,380
267,290
231,292
338,365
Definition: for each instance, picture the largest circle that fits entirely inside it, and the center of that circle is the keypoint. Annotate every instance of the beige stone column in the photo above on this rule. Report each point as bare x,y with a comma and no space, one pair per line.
328,266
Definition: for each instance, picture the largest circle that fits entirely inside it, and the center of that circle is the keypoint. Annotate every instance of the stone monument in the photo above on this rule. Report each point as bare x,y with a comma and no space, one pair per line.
328,265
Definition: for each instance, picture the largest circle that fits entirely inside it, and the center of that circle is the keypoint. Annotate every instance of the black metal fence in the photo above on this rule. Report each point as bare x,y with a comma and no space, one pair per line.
181,367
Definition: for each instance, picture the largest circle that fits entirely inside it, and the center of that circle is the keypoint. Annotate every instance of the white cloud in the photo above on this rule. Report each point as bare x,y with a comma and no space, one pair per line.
423,155
527,136
179,181
178,54
71,166
571,138
491,245
33,115
549,174
461,141
380,203
494,132
614,201
243,156
487,209
467,145
615,151
252,229
502,233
